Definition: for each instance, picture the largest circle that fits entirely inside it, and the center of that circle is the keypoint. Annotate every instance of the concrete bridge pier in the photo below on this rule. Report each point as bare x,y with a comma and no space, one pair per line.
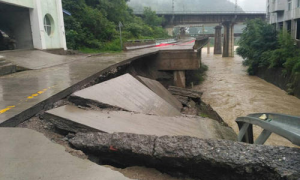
218,40
169,29
228,46
179,79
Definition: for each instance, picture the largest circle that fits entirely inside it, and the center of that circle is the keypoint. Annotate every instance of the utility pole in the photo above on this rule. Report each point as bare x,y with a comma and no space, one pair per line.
173,11
120,28
173,7
236,5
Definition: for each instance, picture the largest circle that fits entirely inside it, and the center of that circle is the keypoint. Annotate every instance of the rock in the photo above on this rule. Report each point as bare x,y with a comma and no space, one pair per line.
2,58
197,158
191,104
70,136
183,100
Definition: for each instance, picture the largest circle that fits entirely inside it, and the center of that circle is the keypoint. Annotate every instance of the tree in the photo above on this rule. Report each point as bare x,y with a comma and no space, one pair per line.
94,24
151,18
257,40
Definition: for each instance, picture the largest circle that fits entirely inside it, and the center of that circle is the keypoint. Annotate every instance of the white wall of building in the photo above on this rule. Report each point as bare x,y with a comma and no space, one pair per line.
286,16
23,3
279,10
38,9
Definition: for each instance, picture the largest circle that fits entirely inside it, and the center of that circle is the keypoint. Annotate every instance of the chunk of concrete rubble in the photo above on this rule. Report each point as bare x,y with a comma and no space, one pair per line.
125,92
185,92
202,159
161,91
2,58
73,119
26,154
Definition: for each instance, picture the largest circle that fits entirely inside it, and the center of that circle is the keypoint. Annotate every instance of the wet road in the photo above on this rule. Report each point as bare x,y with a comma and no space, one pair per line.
26,93
232,93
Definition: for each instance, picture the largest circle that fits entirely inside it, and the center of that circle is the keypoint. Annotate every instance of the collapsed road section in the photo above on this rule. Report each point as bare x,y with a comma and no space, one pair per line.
132,115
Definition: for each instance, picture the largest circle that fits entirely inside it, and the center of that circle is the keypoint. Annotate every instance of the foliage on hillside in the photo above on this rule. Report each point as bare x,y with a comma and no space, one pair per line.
94,24
262,46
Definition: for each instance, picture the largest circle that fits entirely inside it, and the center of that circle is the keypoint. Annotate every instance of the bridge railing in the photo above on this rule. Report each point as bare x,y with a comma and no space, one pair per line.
280,124
202,12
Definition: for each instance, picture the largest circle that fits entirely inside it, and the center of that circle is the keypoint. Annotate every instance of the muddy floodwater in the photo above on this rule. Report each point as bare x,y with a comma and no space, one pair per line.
233,93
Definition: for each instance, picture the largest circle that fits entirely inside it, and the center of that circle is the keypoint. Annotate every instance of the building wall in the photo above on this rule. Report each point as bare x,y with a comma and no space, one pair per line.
284,17
24,3
38,9
55,40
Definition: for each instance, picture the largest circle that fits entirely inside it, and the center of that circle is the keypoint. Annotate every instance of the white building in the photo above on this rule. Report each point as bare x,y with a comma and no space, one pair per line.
285,14
34,23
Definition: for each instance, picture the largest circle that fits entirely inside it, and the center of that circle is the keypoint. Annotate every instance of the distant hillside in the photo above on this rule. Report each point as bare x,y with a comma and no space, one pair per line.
184,5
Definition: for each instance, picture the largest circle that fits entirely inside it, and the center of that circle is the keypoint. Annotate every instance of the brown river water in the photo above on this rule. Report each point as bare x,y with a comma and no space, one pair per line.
233,93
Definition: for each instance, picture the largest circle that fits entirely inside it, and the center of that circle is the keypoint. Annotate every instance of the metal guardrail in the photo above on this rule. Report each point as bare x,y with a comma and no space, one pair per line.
204,12
146,43
280,124
170,40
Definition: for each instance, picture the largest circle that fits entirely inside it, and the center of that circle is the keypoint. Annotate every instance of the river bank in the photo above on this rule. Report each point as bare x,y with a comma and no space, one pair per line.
233,93
276,77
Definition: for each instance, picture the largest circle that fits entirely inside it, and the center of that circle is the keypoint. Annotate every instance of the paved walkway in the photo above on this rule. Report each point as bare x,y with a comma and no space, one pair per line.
32,90
36,59
29,155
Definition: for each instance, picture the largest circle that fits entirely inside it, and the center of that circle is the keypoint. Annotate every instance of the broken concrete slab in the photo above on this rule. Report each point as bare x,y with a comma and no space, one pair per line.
2,58
26,154
198,158
185,92
125,92
73,119
161,91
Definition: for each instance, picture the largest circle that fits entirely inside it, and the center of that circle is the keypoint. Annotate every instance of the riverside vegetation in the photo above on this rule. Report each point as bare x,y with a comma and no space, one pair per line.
262,47
93,25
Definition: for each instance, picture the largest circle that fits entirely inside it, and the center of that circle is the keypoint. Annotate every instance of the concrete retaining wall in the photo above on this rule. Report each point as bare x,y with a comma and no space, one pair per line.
275,76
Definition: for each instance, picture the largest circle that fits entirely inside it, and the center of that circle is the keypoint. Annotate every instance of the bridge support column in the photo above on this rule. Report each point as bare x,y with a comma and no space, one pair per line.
294,29
228,47
169,29
179,79
208,46
218,40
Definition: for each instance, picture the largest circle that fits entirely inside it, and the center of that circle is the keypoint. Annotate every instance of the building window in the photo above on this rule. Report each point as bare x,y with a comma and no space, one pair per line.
48,24
298,3
289,5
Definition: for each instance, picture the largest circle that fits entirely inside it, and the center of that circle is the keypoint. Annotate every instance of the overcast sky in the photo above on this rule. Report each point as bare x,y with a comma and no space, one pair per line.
252,5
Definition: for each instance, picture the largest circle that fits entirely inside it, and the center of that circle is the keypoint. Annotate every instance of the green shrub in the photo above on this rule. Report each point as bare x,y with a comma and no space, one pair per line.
93,25
196,76
256,42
